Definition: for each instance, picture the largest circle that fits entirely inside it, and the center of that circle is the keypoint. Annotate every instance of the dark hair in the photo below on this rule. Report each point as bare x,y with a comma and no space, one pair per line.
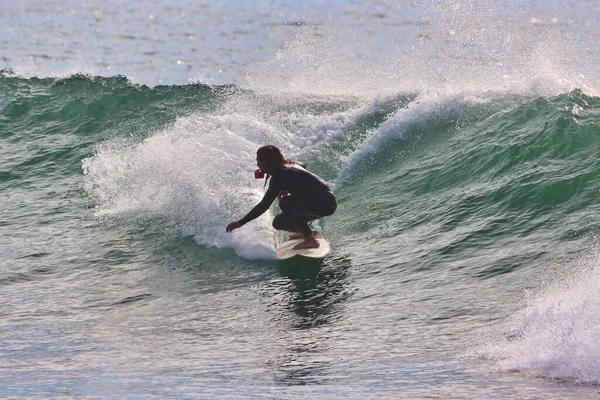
271,156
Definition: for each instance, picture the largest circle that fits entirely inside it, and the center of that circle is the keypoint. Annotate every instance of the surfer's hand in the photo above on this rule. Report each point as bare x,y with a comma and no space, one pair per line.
232,226
281,195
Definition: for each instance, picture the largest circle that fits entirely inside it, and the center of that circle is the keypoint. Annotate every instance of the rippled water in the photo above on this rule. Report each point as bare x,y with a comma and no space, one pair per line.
460,138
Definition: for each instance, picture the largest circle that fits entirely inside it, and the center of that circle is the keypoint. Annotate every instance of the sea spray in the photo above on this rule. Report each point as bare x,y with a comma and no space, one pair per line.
198,171
438,47
556,334
474,165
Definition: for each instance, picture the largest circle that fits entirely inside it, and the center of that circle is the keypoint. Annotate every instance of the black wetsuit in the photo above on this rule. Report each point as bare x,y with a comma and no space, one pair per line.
308,198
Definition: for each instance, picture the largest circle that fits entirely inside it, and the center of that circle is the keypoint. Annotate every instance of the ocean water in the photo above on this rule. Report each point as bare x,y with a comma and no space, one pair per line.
461,139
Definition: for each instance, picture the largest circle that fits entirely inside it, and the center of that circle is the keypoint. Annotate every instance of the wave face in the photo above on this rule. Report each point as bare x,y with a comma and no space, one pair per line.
461,140
471,186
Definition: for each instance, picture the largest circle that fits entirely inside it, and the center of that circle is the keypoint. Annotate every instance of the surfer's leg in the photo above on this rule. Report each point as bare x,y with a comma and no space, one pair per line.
297,212
282,222
294,210
302,210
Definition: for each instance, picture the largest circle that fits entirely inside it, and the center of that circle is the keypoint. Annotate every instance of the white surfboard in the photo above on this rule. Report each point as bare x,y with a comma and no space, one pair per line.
284,250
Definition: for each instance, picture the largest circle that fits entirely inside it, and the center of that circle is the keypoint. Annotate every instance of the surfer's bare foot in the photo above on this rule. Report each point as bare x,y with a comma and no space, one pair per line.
296,236
308,243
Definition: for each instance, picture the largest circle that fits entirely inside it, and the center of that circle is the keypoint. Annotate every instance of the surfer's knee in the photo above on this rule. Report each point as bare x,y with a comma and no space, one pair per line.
279,222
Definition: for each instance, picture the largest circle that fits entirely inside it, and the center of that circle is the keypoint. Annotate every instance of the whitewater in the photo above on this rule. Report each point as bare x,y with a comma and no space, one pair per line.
461,140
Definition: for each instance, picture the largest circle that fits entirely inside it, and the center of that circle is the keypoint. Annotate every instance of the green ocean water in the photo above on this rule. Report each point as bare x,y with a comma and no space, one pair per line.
115,197
461,141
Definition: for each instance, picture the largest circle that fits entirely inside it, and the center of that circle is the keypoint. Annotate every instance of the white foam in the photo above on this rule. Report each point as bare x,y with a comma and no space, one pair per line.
464,53
425,104
557,334
199,171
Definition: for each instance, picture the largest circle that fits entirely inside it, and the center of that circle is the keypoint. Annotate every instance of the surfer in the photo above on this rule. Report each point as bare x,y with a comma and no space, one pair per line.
302,195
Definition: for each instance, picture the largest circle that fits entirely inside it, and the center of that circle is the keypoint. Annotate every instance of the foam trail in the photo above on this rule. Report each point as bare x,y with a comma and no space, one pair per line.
199,171
557,334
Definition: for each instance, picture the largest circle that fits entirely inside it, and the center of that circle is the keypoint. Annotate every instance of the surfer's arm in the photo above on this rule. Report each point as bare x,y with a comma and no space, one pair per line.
261,207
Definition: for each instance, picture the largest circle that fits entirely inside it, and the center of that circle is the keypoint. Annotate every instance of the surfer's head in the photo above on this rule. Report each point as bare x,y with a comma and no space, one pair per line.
269,159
